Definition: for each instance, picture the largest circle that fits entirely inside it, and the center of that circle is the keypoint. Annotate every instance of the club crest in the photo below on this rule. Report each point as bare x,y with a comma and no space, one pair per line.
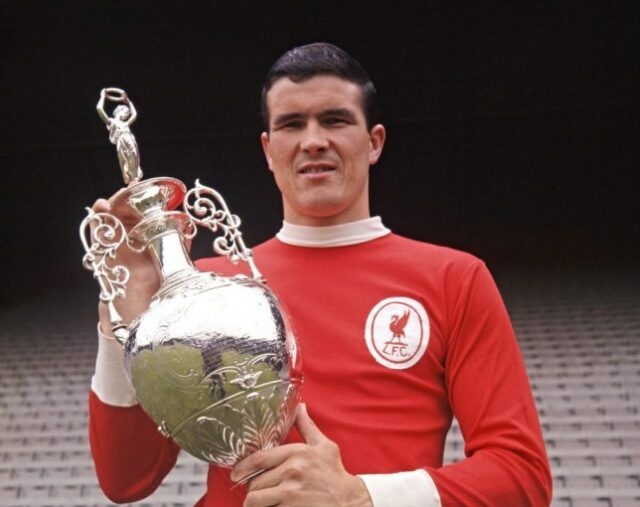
397,332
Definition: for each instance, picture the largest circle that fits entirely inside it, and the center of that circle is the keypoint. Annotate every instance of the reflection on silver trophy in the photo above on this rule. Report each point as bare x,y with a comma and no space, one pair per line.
213,360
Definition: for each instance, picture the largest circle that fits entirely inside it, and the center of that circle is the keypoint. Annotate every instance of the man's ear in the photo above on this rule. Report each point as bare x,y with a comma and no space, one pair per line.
264,140
377,136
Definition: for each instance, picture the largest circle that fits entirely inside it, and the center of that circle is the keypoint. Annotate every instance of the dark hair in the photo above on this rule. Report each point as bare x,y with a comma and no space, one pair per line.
321,58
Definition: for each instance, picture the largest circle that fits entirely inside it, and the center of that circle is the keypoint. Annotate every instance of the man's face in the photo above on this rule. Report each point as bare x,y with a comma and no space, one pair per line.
319,149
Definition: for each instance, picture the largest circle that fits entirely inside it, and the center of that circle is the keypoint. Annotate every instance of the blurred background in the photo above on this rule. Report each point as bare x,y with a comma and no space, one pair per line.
513,126
513,133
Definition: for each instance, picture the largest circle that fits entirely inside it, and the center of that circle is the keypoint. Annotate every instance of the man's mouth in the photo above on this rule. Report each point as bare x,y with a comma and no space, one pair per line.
316,169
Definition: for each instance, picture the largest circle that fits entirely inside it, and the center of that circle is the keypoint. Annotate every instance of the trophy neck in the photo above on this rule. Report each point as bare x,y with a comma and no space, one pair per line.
170,255
161,229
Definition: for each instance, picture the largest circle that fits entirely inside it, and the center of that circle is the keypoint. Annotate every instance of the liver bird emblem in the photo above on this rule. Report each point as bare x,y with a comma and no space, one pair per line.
398,323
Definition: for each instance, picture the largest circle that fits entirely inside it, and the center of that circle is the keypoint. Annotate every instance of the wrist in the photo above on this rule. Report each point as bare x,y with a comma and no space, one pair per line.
104,326
357,494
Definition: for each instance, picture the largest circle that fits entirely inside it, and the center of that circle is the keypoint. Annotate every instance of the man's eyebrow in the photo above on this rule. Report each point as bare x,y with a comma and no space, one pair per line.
341,112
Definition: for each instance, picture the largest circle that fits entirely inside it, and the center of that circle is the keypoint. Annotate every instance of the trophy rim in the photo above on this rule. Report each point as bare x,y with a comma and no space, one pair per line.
176,187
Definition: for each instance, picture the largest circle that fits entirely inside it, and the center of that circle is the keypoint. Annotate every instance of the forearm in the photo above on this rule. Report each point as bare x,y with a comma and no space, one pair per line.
131,457
490,477
494,477
110,382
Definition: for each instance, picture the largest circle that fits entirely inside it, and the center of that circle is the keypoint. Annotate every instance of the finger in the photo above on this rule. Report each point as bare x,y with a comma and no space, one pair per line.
269,479
307,428
263,498
126,214
266,459
101,206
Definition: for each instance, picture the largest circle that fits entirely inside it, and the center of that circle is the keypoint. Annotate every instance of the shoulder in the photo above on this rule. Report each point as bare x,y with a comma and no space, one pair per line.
447,270
436,256
224,266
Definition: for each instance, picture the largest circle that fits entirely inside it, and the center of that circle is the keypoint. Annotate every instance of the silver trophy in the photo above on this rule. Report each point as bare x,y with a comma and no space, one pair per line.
213,360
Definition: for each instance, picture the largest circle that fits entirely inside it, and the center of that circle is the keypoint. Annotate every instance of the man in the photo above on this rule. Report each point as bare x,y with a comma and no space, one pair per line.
397,336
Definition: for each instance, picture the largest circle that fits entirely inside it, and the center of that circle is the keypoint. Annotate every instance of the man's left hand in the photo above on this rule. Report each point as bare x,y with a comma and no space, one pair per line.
302,475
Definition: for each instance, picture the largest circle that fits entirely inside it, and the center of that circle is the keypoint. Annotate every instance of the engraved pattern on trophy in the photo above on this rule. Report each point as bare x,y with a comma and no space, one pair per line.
213,359
154,226
263,415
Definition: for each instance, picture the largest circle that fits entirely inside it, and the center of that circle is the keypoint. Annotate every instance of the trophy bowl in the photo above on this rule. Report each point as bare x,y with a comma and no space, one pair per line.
213,360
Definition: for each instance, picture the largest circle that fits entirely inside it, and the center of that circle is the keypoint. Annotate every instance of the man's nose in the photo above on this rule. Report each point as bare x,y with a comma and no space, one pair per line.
314,140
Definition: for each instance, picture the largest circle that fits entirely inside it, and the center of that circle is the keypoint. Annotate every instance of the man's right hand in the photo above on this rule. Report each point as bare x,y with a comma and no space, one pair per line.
144,279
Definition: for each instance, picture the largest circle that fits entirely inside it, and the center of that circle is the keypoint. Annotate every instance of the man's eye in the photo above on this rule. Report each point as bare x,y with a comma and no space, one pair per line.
292,125
335,122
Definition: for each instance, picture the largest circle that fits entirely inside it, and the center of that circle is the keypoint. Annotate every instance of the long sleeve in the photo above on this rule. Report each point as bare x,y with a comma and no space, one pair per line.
489,393
131,457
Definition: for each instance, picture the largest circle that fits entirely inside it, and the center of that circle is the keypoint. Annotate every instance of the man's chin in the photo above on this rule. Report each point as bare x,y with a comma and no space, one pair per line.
322,208
321,215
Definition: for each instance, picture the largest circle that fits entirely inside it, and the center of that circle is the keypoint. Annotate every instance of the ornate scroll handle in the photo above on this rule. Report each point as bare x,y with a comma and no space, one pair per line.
207,208
106,234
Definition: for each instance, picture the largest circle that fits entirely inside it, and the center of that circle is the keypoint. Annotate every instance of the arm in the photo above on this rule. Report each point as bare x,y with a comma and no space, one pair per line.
489,392
130,456
100,107
133,114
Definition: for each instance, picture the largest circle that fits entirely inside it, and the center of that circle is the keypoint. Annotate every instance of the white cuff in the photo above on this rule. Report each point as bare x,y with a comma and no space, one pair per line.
110,381
404,489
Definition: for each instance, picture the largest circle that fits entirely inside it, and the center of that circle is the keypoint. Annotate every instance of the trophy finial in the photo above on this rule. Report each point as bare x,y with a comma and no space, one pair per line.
120,133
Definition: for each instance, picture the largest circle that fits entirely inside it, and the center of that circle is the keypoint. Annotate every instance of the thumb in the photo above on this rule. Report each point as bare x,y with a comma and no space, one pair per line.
307,428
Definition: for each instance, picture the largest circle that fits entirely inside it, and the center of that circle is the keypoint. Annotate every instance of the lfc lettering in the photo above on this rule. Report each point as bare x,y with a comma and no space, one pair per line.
395,349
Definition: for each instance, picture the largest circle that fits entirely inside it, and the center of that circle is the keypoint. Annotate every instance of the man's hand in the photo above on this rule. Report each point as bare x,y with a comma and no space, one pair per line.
144,279
302,475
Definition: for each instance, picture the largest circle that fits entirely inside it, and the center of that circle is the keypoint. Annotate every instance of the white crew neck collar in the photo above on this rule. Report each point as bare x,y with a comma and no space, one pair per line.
328,236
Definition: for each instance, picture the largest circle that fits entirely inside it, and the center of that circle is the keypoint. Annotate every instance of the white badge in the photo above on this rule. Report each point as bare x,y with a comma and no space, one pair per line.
397,332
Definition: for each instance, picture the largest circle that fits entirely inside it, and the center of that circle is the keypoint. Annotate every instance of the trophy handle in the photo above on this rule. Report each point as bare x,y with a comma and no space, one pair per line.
207,208
106,234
